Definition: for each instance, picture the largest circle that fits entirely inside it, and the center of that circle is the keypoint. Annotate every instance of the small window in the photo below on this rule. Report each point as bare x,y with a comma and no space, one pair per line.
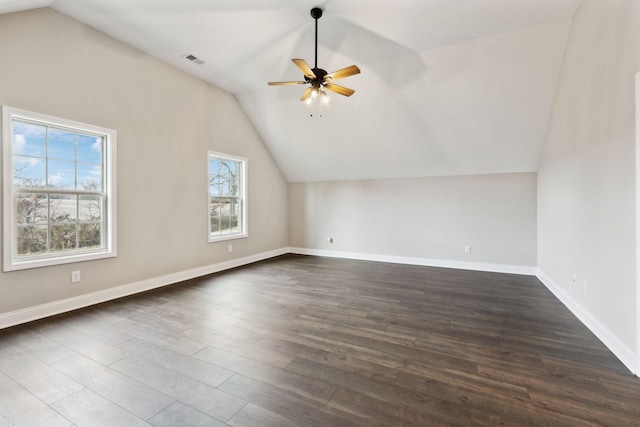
227,197
59,191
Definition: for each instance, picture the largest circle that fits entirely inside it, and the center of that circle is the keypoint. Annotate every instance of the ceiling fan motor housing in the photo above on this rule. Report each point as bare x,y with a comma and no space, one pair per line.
320,73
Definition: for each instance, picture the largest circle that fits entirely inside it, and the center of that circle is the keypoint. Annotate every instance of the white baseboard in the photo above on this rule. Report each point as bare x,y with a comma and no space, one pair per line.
618,348
613,343
427,262
57,307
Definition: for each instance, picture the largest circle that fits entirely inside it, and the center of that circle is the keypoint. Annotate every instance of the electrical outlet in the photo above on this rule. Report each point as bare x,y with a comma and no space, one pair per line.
467,249
75,276
230,248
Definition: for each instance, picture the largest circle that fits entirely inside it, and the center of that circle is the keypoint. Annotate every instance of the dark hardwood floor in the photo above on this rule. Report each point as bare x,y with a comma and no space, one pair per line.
308,341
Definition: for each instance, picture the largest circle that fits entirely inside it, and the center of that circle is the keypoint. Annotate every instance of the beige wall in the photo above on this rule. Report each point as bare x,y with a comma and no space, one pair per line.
166,121
586,200
427,218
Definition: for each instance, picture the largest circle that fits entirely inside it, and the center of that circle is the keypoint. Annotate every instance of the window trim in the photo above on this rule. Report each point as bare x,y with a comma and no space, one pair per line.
244,197
10,261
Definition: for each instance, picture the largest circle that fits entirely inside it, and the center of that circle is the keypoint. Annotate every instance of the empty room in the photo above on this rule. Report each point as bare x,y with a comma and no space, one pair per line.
338,213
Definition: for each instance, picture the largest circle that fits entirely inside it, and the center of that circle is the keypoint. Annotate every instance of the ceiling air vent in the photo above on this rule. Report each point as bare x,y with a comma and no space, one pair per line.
192,58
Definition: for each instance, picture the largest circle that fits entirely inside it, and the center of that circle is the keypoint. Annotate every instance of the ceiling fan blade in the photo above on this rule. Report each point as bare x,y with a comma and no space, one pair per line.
341,74
339,89
304,67
306,94
285,83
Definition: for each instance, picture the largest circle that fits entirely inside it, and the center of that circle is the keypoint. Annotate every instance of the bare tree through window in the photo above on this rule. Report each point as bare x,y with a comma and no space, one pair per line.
226,209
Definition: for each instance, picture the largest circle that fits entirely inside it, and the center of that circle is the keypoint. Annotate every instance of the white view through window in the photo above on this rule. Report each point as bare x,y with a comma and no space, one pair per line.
227,196
59,190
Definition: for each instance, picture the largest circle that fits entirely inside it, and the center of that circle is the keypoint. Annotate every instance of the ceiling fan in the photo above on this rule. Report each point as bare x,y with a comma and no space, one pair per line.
317,78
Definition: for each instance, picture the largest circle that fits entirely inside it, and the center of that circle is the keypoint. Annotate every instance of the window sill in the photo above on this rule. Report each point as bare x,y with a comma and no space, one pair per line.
213,239
25,264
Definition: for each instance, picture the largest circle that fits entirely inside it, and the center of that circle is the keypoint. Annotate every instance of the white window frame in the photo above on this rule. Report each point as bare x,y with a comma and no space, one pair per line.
11,261
244,163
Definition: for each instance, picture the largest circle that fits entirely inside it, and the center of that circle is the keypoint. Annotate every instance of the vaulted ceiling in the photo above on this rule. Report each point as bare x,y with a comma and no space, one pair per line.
448,87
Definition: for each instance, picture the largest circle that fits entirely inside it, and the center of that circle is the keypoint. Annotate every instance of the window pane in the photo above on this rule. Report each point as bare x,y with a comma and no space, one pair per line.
213,166
90,236
233,178
62,174
216,187
63,208
234,186
28,172
29,139
225,178
32,240
89,176
90,208
31,209
232,223
90,149
225,216
62,237
232,168
215,217
214,182
61,145
217,178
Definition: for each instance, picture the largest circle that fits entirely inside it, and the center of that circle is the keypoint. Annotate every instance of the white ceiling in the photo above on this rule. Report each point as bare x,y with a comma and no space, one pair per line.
448,87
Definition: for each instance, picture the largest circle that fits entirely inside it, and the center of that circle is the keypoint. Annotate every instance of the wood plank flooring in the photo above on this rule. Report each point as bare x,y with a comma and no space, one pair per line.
309,341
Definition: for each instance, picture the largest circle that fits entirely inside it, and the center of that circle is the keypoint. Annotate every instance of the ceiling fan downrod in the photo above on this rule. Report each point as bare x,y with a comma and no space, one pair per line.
316,13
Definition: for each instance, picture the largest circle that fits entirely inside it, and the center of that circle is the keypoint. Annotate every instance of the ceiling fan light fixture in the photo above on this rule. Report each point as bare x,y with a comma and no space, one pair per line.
318,97
324,98
317,78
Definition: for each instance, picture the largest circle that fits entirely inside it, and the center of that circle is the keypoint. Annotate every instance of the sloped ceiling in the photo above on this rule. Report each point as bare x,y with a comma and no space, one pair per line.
448,87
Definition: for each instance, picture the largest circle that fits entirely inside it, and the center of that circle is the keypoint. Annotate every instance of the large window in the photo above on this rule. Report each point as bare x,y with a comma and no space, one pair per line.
59,190
227,197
